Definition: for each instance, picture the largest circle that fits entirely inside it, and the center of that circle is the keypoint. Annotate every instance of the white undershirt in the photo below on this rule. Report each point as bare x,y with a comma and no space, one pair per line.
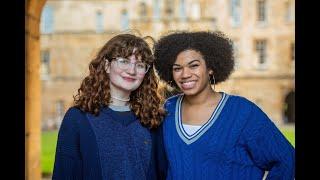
190,129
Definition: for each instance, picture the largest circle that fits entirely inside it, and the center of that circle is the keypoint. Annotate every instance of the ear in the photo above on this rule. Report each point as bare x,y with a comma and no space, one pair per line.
107,66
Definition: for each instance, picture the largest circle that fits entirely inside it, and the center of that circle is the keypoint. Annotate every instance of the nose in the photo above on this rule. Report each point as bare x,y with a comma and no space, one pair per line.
131,69
186,73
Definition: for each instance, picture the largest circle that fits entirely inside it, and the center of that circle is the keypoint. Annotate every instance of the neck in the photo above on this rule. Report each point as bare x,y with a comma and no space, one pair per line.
119,97
208,95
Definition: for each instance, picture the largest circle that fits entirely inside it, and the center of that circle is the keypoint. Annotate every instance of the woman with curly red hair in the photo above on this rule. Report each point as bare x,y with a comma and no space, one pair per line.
108,133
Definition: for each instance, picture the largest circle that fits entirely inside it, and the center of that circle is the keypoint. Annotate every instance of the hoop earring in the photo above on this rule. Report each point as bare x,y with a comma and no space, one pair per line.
211,78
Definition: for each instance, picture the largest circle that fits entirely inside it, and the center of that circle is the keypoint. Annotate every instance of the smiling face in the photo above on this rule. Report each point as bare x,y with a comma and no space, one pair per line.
126,80
190,73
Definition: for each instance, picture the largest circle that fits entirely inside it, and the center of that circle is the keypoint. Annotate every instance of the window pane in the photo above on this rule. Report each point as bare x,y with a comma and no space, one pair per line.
99,22
124,20
235,11
47,20
261,10
261,46
156,9
182,9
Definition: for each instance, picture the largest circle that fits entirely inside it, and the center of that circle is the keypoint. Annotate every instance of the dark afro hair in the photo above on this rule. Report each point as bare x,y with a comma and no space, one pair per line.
215,48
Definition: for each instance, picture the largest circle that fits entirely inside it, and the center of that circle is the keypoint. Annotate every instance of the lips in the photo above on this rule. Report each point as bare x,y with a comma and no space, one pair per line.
129,79
188,85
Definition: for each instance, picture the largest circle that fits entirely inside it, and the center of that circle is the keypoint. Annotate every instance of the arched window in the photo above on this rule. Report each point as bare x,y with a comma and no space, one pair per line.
46,25
289,108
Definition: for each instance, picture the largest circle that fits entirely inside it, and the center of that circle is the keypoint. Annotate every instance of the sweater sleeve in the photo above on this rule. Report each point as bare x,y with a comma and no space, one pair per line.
268,147
68,164
158,166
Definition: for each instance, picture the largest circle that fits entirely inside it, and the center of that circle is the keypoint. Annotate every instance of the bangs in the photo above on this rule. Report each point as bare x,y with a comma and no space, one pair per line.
125,47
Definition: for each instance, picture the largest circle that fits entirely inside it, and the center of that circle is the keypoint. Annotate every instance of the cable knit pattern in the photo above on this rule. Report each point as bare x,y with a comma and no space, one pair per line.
242,143
112,145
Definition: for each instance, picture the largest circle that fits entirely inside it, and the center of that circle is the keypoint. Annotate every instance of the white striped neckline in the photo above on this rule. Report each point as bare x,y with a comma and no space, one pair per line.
188,139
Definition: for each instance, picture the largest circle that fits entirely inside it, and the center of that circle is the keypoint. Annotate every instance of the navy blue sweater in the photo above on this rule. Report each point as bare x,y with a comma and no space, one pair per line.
112,145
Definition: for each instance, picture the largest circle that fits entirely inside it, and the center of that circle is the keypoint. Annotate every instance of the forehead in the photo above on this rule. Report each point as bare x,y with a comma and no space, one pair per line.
130,52
187,56
134,58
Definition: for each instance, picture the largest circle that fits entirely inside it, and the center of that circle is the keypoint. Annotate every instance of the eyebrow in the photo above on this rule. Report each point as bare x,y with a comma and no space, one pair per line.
196,60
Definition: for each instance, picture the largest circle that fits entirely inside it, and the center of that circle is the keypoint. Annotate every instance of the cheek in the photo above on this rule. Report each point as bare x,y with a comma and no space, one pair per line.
114,70
140,77
175,75
113,77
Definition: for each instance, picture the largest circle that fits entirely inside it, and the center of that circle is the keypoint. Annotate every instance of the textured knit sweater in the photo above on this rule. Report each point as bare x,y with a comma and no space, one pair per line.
238,141
112,145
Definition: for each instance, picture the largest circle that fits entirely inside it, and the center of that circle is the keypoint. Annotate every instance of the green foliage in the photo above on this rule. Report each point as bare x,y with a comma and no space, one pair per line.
48,150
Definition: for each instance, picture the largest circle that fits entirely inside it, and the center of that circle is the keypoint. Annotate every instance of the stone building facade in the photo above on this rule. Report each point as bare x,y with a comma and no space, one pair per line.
262,32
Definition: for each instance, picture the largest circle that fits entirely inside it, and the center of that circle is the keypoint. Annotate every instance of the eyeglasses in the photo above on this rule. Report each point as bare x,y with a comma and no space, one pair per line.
125,64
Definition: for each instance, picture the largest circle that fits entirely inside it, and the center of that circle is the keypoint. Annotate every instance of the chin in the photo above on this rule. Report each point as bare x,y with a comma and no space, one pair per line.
130,89
189,92
133,88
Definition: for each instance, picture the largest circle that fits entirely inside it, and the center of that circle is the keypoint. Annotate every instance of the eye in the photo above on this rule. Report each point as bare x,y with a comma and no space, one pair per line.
176,69
123,61
193,66
141,65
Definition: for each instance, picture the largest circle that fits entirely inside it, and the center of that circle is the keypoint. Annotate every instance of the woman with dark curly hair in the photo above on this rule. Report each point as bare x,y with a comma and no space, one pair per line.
108,134
209,134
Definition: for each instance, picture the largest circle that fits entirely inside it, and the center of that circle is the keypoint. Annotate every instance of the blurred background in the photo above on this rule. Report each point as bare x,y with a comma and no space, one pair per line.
72,31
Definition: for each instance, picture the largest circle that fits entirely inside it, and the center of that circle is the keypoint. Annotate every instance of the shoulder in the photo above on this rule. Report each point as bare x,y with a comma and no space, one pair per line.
73,111
72,117
242,102
249,105
172,100
247,109
254,115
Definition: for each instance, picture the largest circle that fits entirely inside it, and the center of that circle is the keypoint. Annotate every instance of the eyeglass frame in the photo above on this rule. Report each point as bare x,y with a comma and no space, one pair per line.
117,62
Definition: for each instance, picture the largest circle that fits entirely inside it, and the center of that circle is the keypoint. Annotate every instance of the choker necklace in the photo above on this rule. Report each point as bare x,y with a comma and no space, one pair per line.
124,100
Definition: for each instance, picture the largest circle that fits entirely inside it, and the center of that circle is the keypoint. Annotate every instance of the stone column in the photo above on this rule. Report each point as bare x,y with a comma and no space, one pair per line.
33,90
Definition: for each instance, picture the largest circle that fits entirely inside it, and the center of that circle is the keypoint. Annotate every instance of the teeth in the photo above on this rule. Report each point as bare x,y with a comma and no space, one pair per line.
188,85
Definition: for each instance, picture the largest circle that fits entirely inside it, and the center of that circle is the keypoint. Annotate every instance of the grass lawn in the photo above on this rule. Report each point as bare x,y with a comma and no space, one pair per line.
48,147
49,141
289,134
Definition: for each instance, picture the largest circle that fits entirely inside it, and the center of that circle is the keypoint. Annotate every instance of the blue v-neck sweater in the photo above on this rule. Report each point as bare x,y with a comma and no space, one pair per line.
112,145
239,141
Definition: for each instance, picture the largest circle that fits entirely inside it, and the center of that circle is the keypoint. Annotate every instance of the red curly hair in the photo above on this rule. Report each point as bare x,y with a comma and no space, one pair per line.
146,101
